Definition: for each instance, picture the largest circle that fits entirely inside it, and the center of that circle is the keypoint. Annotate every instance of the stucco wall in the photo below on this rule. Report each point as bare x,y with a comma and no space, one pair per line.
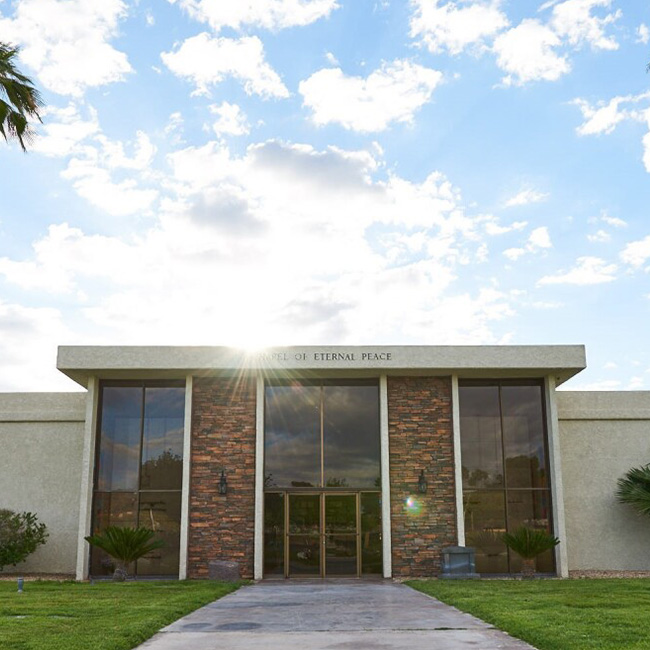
41,443
602,435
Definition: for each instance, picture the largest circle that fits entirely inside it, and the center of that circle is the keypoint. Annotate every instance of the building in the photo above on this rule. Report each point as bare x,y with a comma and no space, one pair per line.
326,461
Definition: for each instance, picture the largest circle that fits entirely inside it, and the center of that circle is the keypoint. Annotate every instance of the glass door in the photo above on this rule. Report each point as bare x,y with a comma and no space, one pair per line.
341,535
304,535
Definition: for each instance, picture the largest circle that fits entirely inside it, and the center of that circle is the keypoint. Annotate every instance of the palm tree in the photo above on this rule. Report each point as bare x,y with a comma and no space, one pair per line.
528,543
634,489
126,545
19,99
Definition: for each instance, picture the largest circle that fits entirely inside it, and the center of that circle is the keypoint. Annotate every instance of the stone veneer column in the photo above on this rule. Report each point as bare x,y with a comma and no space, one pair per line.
421,438
222,527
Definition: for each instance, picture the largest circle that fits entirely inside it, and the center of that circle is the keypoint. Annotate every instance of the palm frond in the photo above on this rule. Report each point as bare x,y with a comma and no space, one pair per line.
125,544
530,542
634,489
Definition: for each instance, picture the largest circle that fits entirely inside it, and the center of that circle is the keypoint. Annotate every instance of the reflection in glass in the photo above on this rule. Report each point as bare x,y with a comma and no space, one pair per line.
304,534
140,445
480,425
530,508
523,436
304,555
111,509
371,547
292,436
119,440
485,522
162,441
351,452
273,534
304,514
340,513
341,555
161,512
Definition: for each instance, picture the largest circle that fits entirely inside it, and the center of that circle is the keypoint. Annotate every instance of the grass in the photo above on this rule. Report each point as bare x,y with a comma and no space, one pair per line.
608,614
104,616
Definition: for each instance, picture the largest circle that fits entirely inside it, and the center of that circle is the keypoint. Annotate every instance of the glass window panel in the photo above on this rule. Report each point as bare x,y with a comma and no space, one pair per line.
161,512
304,514
480,430
341,555
531,508
162,441
485,522
523,436
340,513
110,509
292,436
371,547
304,555
273,534
351,436
119,440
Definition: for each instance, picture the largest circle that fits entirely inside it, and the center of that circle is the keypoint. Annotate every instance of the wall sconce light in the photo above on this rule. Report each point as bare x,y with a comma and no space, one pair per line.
223,483
422,483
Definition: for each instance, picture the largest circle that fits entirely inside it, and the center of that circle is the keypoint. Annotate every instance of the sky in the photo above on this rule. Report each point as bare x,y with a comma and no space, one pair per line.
295,172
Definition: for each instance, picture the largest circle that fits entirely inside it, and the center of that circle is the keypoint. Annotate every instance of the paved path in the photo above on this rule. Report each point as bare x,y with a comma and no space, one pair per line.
329,615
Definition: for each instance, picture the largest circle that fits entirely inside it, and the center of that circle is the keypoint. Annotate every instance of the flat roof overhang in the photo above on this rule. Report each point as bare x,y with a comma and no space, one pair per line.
467,361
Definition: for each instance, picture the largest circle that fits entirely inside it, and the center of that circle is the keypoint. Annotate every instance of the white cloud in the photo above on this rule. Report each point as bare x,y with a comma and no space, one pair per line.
525,197
574,21
455,25
613,221
269,14
643,34
636,253
207,61
603,117
393,93
259,216
527,53
67,42
64,130
538,239
232,120
492,227
587,271
600,236
331,59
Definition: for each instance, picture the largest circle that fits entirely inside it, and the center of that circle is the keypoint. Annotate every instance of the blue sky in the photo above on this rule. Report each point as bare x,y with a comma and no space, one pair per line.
330,171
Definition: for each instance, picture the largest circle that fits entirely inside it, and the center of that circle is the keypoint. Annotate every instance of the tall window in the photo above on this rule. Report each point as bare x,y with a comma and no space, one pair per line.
322,434
139,469
505,469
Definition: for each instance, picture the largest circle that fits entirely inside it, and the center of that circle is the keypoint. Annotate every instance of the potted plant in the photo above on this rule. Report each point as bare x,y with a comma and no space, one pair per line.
125,545
528,543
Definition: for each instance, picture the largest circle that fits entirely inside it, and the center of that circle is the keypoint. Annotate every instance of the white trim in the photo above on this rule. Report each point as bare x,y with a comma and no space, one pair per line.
555,464
458,465
385,476
87,472
185,494
258,565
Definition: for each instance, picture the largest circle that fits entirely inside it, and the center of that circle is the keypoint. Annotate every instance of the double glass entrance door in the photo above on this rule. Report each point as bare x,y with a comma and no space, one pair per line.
325,534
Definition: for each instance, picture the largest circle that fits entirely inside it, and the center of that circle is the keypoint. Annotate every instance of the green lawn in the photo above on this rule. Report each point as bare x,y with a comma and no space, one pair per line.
104,616
608,614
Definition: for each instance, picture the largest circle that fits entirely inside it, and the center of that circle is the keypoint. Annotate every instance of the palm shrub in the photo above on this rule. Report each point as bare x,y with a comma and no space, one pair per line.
634,489
125,545
529,543
20,536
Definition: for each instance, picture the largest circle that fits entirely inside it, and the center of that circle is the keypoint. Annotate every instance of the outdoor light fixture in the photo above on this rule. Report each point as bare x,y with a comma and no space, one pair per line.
223,483
422,483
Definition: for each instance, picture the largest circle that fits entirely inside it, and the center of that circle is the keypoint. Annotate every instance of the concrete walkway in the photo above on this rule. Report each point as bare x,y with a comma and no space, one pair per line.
329,615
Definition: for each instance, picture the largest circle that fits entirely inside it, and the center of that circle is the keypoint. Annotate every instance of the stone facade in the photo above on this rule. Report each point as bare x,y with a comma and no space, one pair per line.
421,438
222,527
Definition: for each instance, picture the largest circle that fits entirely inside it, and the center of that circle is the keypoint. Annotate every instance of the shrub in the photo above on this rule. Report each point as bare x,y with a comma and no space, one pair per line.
529,543
634,489
125,545
20,536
